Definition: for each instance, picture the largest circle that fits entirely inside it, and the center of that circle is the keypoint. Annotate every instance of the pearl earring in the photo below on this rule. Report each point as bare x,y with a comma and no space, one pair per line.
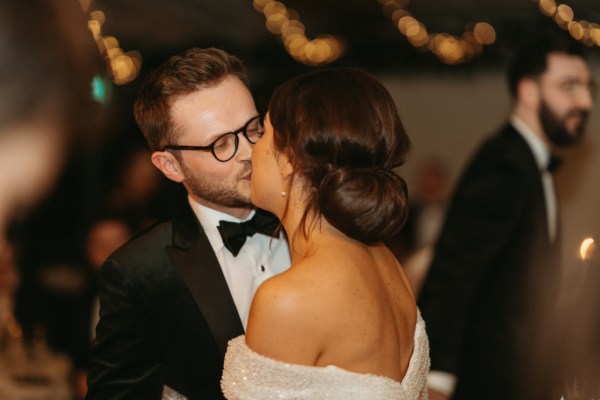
283,193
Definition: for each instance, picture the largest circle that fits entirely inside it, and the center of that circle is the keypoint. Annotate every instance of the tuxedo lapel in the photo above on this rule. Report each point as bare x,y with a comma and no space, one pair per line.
195,259
523,156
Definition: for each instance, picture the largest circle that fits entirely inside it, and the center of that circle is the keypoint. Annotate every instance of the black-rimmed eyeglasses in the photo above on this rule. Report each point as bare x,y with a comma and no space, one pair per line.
225,146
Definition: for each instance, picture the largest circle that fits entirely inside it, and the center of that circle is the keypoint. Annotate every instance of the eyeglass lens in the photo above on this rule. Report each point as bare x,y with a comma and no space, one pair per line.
225,147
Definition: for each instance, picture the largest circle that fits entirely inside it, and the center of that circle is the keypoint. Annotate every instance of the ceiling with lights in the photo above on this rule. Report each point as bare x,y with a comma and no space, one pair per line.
378,35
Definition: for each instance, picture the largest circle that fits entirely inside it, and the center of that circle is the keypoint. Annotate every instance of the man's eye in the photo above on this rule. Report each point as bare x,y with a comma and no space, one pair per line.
567,86
224,142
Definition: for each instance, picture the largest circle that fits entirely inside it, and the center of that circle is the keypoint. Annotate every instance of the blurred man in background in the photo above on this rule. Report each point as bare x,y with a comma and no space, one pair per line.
492,285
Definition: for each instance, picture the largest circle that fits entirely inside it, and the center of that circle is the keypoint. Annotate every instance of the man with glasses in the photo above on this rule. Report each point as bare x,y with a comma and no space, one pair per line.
173,296
492,287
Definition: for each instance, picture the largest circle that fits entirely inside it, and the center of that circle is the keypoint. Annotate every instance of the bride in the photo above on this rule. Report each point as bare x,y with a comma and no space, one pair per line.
342,322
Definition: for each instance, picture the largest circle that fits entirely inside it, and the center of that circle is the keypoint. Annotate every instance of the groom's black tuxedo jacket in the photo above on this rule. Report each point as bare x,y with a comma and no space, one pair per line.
151,331
490,284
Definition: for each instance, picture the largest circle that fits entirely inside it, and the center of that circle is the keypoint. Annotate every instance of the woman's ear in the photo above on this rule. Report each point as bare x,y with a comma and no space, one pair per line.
168,165
285,166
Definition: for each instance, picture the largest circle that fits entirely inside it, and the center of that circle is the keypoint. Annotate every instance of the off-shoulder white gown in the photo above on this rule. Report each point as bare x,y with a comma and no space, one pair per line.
250,376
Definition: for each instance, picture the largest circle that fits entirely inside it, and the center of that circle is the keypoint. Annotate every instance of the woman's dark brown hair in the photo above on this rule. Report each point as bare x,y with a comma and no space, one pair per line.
342,133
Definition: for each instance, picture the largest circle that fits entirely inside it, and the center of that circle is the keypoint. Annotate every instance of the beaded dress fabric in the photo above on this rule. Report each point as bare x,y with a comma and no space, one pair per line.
250,376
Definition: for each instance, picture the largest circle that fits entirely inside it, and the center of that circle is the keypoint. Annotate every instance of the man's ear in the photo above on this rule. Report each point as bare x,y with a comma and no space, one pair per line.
168,165
529,92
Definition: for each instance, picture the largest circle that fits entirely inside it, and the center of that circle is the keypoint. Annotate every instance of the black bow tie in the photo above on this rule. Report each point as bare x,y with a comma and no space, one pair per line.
234,234
554,163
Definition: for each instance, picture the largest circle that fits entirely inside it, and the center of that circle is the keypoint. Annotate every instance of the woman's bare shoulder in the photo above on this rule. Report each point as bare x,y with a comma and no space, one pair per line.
288,318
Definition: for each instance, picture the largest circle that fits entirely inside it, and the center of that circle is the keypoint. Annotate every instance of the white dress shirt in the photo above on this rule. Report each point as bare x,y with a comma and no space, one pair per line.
260,257
541,153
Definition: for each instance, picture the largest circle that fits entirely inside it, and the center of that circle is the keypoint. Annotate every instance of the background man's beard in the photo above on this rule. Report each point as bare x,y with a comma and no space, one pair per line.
556,129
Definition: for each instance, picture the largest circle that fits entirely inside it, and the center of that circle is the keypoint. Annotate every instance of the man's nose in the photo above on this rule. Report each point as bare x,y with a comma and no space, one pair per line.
244,149
586,99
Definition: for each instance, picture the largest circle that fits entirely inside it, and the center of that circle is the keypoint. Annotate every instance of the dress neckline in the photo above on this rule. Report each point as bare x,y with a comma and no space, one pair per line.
413,364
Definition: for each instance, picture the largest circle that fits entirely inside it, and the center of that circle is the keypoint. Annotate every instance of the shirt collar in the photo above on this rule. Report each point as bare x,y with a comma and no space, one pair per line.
540,151
209,219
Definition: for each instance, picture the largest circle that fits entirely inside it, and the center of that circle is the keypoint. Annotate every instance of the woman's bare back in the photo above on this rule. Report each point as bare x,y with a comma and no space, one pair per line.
345,304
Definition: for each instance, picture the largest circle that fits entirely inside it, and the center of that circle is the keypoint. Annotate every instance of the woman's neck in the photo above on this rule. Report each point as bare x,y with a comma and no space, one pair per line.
305,238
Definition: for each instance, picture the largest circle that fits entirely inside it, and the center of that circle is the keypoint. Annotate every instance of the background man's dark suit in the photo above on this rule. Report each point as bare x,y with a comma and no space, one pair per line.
147,301
493,266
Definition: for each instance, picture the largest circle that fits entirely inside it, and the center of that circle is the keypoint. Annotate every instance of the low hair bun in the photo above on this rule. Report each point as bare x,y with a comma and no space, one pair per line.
367,204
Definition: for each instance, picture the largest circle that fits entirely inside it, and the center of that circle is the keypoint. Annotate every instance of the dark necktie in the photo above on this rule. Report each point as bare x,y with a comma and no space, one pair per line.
554,163
234,233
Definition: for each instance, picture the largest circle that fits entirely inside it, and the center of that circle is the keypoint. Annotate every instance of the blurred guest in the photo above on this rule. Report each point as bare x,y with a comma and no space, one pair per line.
105,235
48,59
413,246
135,197
45,73
492,283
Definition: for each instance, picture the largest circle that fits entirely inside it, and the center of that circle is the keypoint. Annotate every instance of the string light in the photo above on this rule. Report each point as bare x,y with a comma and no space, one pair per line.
123,66
584,31
450,49
587,248
285,22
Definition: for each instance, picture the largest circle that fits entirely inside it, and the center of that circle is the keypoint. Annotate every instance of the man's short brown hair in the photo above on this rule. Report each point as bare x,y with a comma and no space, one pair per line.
193,70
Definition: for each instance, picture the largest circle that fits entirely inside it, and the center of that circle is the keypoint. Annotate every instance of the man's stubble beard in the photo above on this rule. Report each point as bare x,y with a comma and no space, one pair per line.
224,193
555,127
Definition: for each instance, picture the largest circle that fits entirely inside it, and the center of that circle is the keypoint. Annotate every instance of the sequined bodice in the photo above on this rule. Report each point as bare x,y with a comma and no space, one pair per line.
250,376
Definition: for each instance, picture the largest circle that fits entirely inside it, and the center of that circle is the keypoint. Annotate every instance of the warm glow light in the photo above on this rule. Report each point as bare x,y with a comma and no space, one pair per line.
547,7
94,27
564,16
259,5
413,29
484,33
274,22
136,58
337,48
314,52
405,23
576,30
595,35
114,52
419,37
280,20
296,46
587,249
448,48
110,42
123,67
397,14
274,7
292,27
98,16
